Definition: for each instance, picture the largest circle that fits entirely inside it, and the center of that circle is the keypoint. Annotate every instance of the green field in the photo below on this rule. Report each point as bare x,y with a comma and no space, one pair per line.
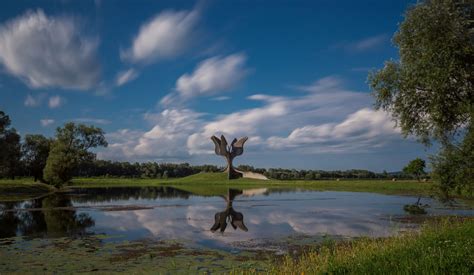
217,183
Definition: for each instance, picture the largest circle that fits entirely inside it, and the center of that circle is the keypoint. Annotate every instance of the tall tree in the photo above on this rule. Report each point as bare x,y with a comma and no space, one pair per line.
35,151
70,148
430,90
10,152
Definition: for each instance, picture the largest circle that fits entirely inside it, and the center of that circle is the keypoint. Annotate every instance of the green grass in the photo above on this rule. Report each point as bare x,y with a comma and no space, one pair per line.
218,181
23,188
217,184
442,247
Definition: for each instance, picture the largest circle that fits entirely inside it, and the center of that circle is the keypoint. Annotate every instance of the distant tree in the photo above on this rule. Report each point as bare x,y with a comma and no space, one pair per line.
35,151
309,176
430,90
10,152
70,148
415,168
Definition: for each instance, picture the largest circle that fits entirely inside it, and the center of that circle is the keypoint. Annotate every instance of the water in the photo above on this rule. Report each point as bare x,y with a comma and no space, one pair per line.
164,213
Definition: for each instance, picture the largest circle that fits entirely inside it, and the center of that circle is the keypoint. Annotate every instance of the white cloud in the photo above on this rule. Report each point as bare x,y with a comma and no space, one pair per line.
326,101
220,98
166,139
166,35
323,85
55,102
34,101
46,122
121,144
327,118
49,52
125,76
91,120
213,75
361,130
368,43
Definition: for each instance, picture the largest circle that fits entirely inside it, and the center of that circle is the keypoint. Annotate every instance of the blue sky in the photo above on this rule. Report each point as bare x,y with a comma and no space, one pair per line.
161,77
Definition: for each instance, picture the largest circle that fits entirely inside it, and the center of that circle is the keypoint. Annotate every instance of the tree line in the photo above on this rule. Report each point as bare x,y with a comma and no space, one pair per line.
57,160
49,160
107,168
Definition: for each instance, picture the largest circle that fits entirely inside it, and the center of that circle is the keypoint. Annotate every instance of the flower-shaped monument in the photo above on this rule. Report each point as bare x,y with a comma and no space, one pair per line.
229,152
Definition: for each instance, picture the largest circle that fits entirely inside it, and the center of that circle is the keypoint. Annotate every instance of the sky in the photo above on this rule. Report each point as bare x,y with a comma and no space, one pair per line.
162,77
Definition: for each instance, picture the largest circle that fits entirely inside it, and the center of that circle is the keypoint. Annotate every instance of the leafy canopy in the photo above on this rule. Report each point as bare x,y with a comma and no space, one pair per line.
10,152
35,151
70,148
430,90
415,168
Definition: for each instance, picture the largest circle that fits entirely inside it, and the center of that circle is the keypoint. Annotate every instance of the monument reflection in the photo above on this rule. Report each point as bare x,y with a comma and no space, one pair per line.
236,219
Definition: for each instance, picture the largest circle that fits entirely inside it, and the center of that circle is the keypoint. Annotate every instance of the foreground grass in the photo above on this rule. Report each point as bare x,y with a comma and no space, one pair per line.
442,247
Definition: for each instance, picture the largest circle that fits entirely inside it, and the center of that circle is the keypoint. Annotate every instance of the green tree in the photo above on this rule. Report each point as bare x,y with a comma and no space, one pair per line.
415,168
10,152
35,151
71,148
430,90
453,166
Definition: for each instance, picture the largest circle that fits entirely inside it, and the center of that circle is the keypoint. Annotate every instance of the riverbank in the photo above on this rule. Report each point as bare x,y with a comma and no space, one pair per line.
219,181
217,184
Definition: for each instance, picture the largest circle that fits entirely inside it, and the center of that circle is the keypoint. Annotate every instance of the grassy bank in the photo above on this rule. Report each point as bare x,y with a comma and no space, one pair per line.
442,247
219,182
25,188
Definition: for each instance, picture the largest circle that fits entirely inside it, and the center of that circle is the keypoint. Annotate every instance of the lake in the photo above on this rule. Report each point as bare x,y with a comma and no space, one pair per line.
261,216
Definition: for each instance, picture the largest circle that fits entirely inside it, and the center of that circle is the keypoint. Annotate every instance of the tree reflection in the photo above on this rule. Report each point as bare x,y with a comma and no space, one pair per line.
8,220
107,194
51,216
235,218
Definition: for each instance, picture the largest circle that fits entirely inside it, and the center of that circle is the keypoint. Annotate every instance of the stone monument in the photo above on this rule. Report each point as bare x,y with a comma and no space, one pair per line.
229,152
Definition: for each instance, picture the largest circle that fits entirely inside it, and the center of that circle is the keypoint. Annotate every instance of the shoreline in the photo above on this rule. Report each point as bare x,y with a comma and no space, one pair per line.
216,183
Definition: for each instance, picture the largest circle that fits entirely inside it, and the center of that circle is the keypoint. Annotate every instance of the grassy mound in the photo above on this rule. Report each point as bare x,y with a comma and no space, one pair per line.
204,177
212,184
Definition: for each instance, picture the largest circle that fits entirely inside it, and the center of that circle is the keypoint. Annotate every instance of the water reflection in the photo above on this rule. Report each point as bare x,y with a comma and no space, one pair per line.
107,194
52,216
187,212
235,218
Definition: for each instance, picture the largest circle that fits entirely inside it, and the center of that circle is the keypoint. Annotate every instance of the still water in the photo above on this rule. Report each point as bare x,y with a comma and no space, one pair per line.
234,215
